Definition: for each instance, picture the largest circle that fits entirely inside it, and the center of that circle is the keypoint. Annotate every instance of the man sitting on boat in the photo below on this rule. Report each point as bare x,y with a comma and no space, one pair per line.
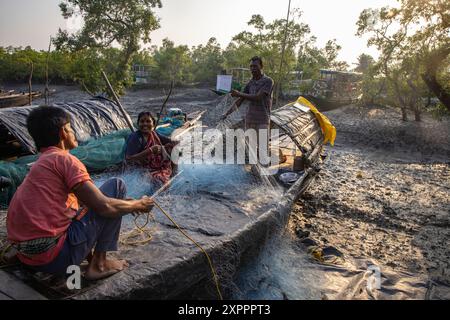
148,148
46,222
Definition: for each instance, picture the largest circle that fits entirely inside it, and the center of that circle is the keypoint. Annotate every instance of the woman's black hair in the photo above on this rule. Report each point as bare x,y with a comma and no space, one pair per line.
146,114
44,123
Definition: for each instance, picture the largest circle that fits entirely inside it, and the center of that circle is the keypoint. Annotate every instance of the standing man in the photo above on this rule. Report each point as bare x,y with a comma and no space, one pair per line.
259,93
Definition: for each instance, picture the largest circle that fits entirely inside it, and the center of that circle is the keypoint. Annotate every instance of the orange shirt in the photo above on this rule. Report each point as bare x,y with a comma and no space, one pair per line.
43,205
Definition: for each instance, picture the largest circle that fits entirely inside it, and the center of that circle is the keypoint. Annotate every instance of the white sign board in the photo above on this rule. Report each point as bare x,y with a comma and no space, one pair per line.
224,82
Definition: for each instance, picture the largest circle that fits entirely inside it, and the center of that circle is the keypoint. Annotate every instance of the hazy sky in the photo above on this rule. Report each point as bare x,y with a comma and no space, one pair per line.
193,22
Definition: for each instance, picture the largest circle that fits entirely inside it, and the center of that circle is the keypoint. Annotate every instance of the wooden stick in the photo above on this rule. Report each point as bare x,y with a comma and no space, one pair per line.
30,98
165,186
283,49
164,104
116,99
87,90
46,72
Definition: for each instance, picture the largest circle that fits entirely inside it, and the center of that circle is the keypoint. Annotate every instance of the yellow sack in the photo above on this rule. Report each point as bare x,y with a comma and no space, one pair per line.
329,131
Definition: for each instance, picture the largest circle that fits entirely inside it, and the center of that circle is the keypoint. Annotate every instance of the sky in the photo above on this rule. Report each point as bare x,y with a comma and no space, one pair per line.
193,22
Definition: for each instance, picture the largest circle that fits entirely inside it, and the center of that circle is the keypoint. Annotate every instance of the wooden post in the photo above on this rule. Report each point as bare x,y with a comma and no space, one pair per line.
164,104
116,99
30,98
46,91
283,49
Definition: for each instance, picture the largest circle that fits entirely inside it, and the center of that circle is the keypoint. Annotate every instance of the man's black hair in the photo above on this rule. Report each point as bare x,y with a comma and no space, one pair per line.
146,114
257,58
44,123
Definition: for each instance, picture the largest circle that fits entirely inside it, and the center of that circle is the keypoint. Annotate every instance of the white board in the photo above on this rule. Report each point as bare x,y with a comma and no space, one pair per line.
224,82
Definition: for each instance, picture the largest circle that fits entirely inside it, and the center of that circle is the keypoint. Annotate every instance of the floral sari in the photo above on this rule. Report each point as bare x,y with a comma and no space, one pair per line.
160,168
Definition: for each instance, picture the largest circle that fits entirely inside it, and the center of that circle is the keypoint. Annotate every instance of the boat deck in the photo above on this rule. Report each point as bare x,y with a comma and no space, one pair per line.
14,289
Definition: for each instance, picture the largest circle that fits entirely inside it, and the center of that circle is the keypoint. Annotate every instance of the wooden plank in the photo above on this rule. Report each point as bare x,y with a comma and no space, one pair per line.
16,289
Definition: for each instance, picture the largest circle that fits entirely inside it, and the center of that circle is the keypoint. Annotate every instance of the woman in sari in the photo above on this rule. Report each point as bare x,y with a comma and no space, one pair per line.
146,147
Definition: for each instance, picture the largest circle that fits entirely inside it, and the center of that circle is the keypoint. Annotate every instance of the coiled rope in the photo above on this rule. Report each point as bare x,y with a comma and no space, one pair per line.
138,230
143,230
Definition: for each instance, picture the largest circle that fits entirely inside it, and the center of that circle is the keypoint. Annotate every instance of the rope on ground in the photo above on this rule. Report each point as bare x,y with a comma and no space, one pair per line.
143,230
138,230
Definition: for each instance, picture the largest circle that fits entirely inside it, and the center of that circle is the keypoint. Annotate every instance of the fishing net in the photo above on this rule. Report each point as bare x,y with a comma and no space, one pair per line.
212,116
102,153
16,174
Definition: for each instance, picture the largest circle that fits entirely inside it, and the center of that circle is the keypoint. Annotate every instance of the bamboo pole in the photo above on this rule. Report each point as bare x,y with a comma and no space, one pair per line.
165,102
30,98
283,49
46,72
116,99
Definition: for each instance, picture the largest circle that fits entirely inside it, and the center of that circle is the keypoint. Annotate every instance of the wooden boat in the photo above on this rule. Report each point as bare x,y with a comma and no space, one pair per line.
335,89
228,224
328,104
13,99
6,93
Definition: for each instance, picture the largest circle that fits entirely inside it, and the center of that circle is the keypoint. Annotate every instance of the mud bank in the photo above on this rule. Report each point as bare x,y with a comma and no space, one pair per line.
383,196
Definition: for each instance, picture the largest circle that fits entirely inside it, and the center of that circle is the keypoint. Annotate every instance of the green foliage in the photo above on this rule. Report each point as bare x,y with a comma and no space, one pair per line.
311,58
123,22
365,63
172,63
373,83
414,48
237,56
207,61
331,52
112,31
82,66
88,64
143,57
15,64
266,41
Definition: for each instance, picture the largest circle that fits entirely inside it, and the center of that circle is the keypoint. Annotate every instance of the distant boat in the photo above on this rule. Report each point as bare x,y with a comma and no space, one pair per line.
335,89
12,99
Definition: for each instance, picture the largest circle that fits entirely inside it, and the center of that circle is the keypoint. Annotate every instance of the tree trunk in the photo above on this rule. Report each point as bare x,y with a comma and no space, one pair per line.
417,115
404,114
437,89
429,77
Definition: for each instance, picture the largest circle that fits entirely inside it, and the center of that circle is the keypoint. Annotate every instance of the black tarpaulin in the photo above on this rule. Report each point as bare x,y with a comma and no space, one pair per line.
90,118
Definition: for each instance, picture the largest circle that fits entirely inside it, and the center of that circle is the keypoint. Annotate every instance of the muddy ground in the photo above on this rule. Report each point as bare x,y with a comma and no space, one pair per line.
383,193
137,100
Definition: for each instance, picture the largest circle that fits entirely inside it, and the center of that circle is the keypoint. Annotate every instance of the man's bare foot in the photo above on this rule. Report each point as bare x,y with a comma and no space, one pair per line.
100,267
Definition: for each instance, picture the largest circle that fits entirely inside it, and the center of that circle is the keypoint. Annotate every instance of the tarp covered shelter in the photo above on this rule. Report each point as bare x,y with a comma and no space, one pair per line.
90,118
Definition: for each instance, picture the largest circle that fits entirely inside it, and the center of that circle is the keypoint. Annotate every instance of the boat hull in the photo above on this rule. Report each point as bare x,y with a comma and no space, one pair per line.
324,105
17,100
